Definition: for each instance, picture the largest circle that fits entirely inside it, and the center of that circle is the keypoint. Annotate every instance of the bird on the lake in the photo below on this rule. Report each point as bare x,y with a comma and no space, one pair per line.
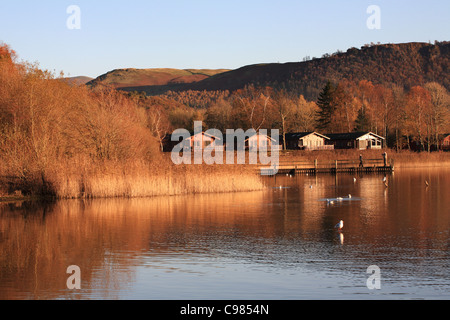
340,225
354,179
329,201
339,199
426,183
349,196
384,179
310,187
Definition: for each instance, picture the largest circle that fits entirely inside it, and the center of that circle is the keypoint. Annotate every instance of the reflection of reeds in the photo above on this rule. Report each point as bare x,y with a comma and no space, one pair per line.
38,241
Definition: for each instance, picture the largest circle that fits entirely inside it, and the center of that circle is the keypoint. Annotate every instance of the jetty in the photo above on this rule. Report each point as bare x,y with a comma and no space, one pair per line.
293,167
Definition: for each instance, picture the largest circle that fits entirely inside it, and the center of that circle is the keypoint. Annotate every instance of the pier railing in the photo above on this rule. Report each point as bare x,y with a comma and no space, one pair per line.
329,166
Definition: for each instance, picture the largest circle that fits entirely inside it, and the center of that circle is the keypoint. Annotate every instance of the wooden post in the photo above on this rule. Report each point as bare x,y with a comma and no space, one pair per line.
385,159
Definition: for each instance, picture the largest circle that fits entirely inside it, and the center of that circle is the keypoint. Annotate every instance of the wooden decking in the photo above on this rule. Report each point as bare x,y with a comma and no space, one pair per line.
336,166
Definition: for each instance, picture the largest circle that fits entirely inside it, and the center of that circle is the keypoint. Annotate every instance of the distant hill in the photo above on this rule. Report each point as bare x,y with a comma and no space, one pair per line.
78,80
137,79
406,64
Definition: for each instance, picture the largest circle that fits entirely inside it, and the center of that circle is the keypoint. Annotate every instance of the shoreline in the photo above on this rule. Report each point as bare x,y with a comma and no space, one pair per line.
399,165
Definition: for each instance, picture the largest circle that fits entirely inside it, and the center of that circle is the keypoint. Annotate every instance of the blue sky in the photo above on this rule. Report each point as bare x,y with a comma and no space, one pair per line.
206,34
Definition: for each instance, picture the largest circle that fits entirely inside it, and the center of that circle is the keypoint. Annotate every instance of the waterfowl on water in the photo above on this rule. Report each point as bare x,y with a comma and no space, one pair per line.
340,225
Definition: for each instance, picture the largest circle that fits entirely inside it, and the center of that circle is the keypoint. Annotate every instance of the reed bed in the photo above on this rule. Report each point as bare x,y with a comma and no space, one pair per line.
109,180
84,178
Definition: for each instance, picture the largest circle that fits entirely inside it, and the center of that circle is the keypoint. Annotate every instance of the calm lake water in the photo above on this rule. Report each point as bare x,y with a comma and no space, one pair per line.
275,244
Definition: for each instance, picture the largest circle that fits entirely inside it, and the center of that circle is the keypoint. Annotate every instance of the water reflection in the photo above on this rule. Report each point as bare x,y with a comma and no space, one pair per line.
277,243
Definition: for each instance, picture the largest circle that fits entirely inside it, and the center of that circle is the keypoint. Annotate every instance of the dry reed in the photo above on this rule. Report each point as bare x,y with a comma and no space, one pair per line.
140,179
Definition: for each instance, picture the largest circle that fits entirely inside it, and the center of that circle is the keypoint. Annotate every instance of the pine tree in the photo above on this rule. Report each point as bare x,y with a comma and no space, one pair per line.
326,106
362,123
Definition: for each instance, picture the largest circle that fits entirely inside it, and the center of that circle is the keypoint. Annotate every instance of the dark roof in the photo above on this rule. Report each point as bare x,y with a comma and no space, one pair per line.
297,135
349,135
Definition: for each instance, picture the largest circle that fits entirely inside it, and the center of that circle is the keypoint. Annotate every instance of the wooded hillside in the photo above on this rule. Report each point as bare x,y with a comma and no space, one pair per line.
405,65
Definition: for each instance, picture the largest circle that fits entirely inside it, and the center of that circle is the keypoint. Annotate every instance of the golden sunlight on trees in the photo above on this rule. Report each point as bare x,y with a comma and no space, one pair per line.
304,116
56,134
440,110
73,141
46,123
418,110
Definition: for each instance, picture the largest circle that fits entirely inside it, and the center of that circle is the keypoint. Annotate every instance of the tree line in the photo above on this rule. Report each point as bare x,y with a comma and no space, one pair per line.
414,118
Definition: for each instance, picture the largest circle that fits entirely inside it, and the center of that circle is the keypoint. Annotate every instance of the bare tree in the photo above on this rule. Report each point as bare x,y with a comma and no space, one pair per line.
440,109
158,124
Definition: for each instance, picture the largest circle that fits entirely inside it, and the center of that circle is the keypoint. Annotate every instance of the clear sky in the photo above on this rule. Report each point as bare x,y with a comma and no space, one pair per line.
206,33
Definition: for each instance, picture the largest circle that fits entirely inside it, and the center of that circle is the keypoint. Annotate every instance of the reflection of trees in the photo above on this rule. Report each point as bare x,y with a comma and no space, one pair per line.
289,228
104,238
40,242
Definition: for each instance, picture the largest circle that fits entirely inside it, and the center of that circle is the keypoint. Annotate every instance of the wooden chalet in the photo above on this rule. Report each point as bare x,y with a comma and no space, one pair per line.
259,141
445,142
355,140
198,141
307,141
201,140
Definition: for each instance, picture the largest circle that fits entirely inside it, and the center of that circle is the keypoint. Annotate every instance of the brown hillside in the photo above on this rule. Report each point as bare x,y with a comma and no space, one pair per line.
129,79
405,64
78,80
